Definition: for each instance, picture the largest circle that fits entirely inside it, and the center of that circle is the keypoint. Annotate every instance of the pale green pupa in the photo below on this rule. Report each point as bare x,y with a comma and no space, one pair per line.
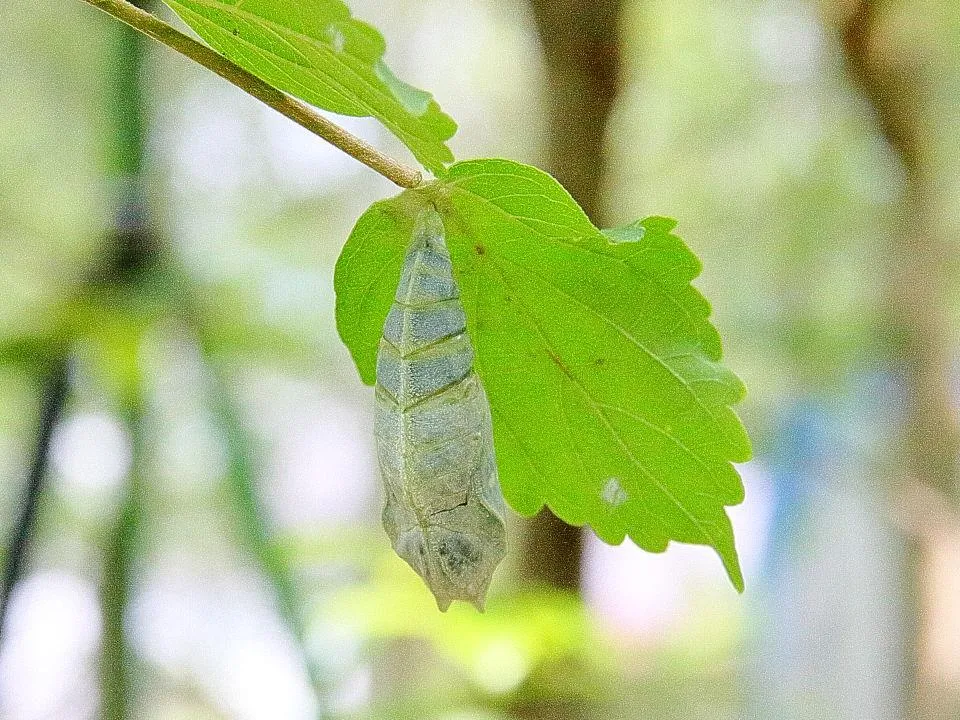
443,510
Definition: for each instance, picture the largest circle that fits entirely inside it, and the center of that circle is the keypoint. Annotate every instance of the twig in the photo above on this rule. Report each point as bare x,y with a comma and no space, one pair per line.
299,112
54,399
255,532
251,515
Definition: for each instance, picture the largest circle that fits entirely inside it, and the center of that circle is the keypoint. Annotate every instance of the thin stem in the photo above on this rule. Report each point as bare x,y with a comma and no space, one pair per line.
299,112
251,517
54,398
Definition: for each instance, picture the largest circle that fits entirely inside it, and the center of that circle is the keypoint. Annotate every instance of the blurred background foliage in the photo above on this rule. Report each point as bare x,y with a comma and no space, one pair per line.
189,495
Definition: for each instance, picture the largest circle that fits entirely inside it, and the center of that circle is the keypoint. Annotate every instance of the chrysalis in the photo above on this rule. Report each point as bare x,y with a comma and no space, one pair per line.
443,511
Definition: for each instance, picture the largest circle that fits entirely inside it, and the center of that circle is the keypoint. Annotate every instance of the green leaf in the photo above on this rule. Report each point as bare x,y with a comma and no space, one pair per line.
609,402
314,50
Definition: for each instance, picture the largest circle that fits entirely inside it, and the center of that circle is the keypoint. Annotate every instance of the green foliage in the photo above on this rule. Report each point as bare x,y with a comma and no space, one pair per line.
315,51
609,403
603,372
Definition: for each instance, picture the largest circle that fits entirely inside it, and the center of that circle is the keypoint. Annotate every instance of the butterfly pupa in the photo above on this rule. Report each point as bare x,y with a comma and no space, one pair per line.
443,509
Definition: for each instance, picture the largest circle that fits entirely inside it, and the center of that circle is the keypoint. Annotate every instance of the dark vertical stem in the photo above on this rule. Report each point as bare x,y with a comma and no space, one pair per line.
917,319
55,389
581,47
134,246
136,249
130,249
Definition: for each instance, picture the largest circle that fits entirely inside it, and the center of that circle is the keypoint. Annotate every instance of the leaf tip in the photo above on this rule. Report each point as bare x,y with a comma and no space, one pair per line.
731,563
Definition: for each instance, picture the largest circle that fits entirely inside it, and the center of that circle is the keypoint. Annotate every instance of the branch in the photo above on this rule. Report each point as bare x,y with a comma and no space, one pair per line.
249,512
301,113
54,398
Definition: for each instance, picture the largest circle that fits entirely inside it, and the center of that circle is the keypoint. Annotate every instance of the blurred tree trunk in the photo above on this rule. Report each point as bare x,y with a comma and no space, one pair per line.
580,42
917,319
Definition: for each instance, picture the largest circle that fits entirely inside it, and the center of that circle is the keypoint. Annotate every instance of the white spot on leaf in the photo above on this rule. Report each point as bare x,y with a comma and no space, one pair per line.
613,493
336,37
